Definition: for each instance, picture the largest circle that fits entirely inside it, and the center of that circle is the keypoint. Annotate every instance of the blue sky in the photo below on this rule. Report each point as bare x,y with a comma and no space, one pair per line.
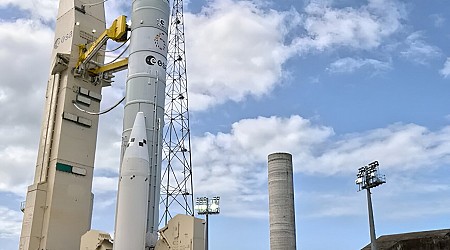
337,83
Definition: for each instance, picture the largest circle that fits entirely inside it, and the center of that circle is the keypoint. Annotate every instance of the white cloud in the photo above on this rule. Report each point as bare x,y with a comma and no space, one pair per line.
46,10
398,146
110,133
39,9
402,197
102,184
234,49
438,20
105,204
401,183
333,204
2,95
115,8
25,54
15,160
421,210
350,65
11,223
418,51
316,149
445,71
234,164
361,28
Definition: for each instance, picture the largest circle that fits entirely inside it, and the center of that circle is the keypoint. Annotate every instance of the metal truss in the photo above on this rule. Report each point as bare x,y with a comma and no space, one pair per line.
176,180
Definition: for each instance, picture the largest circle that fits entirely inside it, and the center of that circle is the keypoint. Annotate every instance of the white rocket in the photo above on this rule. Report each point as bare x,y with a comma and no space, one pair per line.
133,190
145,96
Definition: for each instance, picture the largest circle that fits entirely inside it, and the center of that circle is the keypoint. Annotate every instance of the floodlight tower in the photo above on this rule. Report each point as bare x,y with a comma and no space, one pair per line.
176,184
368,178
207,206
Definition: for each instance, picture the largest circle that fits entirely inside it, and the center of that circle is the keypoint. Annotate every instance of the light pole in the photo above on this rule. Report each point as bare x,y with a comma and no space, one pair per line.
207,206
368,178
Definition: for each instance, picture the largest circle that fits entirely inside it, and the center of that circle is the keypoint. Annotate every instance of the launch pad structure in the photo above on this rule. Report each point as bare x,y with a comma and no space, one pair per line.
61,192
59,203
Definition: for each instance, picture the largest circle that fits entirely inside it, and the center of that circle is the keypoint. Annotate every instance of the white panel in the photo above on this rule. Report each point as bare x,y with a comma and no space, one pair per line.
84,91
84,100
96,96
85,121
80,171
70,117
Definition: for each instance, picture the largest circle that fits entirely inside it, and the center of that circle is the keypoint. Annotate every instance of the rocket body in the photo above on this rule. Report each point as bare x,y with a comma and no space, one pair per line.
133,190
145,92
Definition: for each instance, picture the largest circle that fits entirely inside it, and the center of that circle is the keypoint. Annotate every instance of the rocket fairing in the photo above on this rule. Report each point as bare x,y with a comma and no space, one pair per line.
145,92
133,190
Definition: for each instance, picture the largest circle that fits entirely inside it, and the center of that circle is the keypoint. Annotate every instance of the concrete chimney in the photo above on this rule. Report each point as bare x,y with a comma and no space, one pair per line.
281,202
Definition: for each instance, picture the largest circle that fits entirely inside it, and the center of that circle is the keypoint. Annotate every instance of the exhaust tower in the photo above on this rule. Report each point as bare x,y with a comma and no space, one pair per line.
281,202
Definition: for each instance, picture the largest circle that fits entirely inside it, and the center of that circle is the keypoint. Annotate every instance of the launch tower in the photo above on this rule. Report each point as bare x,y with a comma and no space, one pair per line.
58,205
177,188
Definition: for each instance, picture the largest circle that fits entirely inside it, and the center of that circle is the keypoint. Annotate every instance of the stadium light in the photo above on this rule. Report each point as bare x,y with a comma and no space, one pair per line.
207,206
367,178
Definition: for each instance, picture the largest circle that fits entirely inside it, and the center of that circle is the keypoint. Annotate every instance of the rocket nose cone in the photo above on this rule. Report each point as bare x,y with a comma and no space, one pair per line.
137,144
138,126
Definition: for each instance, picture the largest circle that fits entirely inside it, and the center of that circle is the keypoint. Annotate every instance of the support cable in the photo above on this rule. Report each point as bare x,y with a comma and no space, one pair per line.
119,46
99,113
121,54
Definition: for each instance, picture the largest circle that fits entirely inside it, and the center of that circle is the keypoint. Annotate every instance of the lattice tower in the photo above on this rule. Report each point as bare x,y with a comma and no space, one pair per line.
176,182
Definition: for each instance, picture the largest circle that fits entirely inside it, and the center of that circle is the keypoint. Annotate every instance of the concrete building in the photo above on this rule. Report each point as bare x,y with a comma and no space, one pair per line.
58,207
96,240
426,240
281,202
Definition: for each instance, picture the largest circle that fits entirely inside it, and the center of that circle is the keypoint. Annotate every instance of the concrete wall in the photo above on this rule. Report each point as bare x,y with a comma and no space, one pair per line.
281,202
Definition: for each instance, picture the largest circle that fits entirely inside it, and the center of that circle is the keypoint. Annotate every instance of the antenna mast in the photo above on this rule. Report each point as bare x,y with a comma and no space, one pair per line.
176,181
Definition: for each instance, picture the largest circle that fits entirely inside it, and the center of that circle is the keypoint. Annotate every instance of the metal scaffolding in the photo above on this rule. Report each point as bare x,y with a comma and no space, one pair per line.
176,180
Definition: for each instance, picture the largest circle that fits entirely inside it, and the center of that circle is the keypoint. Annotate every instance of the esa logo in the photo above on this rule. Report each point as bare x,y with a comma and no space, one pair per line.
151,60
62,39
